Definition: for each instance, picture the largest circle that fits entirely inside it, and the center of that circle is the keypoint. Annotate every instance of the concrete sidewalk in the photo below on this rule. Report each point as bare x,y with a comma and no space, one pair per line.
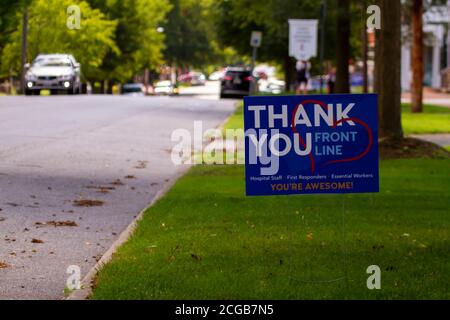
430,96
442,140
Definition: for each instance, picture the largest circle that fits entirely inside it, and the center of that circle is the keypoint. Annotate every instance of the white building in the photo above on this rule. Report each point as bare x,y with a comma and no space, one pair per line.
437,48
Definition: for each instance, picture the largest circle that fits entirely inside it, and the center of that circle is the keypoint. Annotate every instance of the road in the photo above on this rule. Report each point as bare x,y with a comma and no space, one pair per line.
209,91
57,150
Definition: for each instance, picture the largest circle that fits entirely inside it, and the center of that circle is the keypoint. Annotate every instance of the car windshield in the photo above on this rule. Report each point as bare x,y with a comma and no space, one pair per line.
241,74
163,84
132,88
52,62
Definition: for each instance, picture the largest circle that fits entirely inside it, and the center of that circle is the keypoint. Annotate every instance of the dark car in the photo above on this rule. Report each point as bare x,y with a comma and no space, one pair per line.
133,89
236,82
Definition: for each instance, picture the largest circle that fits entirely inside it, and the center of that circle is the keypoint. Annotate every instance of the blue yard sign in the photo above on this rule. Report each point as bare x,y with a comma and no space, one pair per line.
311,144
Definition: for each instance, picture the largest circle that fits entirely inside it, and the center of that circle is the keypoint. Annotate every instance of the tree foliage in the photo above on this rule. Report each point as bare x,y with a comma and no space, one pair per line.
140,44
48,33
9,19
236,19
190,34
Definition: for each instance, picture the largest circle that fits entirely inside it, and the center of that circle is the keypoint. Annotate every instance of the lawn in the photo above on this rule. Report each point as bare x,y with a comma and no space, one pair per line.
206,240
434,119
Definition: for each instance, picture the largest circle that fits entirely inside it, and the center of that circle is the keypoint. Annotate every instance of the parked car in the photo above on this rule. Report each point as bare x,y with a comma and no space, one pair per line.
270,85
217,75
236,82
54,72
193,78
165,87
133,89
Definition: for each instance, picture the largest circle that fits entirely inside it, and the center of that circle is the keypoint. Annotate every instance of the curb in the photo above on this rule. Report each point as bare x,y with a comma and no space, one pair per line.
86,283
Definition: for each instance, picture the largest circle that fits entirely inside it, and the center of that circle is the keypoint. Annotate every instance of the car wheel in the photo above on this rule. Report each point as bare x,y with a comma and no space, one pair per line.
28,92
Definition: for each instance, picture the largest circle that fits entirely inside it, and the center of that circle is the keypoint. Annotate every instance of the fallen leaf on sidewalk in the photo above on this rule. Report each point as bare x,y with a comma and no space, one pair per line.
2,219
88,203
12,204
3,265
141,165
58,223
100,187
117,182
36,241
130,177
103,190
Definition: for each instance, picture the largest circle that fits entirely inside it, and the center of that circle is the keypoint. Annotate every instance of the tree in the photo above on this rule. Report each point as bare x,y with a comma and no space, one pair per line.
238,18
343,47
140,44
189,32
48,33
417,55
9,20
387,64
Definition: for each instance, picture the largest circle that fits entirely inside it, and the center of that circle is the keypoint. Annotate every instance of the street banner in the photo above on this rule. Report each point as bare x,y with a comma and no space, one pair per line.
311,144
303,38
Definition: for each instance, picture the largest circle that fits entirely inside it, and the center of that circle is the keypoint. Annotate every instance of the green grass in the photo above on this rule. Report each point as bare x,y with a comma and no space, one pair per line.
434,119
236,121
206,240
447,148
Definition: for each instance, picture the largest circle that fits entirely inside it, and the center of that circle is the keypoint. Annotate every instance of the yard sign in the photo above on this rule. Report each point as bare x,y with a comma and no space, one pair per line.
311,144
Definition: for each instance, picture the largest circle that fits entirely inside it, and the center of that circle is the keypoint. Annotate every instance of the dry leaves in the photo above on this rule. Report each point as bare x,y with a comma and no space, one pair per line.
141,165
88,203
117,182
67,223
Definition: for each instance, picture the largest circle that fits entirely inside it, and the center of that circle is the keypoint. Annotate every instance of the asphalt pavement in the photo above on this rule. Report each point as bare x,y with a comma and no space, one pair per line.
75,171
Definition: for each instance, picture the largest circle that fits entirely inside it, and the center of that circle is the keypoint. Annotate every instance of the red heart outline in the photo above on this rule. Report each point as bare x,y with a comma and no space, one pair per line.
336,123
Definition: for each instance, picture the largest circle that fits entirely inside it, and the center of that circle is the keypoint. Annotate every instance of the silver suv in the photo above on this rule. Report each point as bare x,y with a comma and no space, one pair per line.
54,72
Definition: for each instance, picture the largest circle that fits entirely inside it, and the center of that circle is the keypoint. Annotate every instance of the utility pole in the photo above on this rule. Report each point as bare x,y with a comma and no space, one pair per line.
24,49
365,58
322,43
255,42
252,68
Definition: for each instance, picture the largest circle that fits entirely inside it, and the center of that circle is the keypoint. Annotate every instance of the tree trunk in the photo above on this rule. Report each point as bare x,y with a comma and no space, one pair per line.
24,49
289,73
343,47
365,58
387,63
110,87
102,86
417,56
